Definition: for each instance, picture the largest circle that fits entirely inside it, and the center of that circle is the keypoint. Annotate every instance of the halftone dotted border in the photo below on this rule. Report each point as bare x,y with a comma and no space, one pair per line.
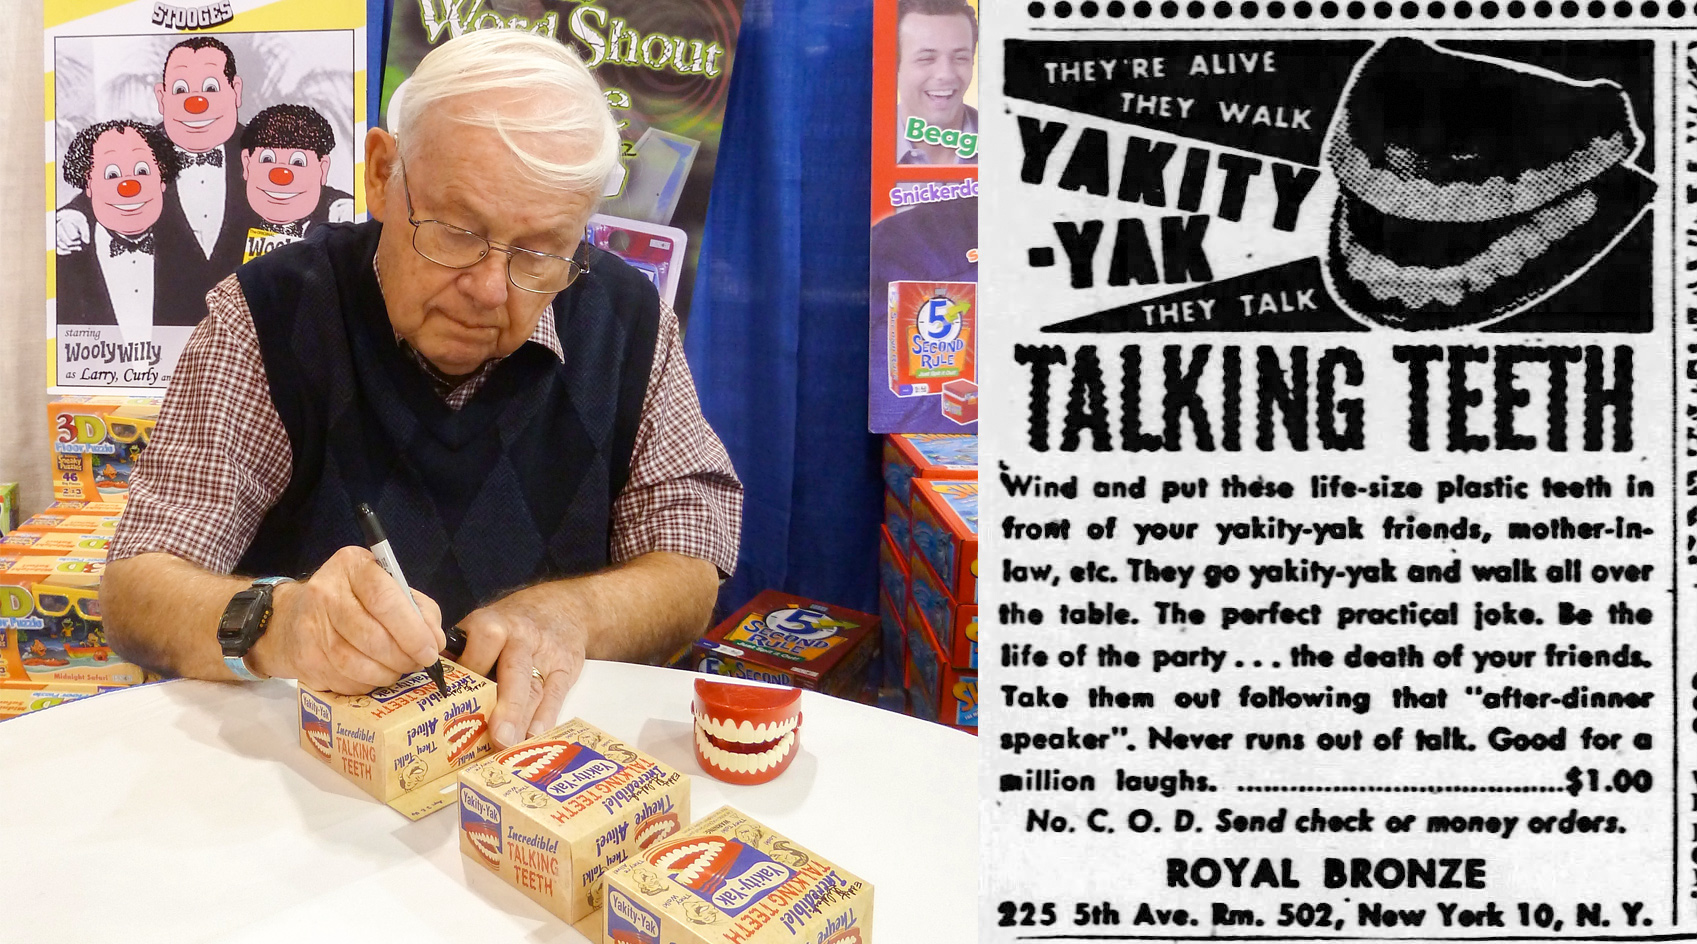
1094,13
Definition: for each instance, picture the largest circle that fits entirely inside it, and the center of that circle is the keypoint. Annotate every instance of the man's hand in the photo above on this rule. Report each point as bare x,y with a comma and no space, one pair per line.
540,658
640,610
70,231
348,629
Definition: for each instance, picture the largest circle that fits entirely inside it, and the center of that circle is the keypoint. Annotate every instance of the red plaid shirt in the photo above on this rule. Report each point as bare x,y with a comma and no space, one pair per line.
219,457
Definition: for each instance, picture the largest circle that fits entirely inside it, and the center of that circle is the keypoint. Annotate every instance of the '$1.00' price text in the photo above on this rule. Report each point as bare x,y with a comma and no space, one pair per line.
1590,780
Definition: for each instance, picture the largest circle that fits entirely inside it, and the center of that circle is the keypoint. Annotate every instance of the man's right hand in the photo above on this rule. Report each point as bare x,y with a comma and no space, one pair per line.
71,231
348,629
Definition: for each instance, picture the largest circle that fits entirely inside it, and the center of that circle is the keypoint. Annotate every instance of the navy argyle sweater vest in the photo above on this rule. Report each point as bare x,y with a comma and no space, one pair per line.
514,487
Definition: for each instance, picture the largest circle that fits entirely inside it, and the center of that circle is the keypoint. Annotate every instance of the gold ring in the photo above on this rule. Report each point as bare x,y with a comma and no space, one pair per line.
538,673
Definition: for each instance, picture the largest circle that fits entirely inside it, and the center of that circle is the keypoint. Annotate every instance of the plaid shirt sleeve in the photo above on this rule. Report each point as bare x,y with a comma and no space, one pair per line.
219,457
683,495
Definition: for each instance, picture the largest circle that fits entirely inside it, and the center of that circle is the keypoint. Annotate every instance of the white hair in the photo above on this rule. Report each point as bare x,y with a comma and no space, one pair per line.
560,108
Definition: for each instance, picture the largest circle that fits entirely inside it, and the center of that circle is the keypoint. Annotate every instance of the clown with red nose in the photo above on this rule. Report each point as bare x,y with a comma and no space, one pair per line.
286,164
124,169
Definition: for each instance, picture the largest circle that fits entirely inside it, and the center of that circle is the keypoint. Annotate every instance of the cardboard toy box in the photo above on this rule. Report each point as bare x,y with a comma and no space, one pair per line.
103,525
56,543
88,507
402,744
945,531
791,640
960,402
893,580
728,879
23,699
96,440
909,456
894,646
550,816
51,624
939,692
954,624
8,507
932,336
898,521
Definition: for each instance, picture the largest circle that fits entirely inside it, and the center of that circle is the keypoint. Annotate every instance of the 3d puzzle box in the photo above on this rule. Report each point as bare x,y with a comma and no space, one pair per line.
96,440
552,815
729,879
791,640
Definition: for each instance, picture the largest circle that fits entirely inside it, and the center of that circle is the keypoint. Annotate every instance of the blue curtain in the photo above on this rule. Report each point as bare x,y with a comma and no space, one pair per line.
777,331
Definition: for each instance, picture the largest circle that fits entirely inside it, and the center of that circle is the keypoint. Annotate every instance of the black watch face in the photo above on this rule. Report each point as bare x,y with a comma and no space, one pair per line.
241,624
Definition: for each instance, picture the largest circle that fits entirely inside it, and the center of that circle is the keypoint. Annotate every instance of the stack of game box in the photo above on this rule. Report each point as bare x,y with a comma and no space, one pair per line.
52,638
941,615
8,507
913,464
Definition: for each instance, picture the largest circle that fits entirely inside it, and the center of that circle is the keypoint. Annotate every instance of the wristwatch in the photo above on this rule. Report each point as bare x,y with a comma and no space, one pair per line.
242,624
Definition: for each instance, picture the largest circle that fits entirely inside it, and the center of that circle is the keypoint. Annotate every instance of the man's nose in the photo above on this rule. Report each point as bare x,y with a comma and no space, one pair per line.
282,176
486,282
195,104
129,188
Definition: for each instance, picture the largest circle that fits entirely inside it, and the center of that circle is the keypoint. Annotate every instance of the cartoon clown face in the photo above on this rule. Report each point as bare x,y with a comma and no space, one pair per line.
284,184
124,183
197,100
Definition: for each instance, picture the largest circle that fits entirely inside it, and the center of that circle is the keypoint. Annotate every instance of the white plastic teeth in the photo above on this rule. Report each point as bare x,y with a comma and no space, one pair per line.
744,732
529,762
743,763
704,853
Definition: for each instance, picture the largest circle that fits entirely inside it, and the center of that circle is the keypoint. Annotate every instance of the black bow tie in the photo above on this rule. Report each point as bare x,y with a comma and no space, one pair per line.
296,229
122,244
215,157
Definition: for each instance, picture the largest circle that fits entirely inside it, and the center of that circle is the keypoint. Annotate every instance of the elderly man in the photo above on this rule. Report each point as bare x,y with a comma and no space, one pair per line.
513,403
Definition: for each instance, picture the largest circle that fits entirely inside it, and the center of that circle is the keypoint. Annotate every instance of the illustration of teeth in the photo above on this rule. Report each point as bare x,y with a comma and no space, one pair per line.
743,763
320,738
746,732
485,844
462,734
278,194
653,831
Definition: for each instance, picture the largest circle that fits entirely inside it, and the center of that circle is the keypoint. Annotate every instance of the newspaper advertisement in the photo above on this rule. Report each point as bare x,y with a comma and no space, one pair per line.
1339,494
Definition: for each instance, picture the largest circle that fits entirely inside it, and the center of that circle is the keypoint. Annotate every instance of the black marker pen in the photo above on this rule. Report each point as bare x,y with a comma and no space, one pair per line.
380,549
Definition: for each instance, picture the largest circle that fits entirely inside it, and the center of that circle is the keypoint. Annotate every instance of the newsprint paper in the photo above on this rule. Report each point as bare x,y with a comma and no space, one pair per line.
1340,496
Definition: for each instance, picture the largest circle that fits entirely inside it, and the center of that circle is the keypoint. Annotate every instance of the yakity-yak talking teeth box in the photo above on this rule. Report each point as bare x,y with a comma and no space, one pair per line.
401,743
789,640
552,815
730,880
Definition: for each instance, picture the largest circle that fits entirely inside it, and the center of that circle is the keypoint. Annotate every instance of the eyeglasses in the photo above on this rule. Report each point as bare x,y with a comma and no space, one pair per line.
448,245
126,430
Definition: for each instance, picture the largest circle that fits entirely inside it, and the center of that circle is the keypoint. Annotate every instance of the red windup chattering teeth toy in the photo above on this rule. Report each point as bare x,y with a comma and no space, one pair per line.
745,734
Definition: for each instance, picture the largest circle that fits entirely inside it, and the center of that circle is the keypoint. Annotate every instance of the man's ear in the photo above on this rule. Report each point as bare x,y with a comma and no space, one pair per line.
323,170
235,86
247,161
380,171
159,96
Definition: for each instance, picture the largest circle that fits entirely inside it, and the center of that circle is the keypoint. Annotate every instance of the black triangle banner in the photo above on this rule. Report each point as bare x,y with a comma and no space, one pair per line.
1283,299
1274,98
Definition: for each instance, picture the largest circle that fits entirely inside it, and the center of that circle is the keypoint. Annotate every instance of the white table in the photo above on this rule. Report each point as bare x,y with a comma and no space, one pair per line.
187,811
